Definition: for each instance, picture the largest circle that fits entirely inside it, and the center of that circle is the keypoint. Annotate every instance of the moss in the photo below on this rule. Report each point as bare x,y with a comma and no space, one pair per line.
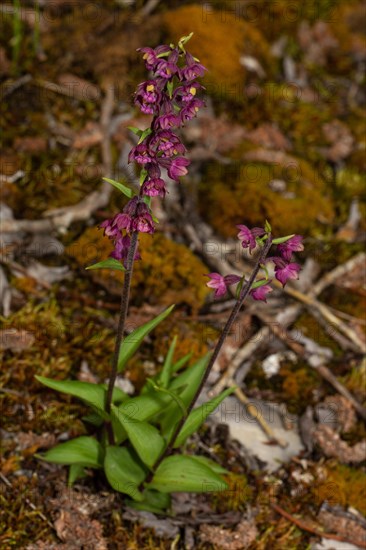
298,385
168,272
232,37
243,193
340,484
235,498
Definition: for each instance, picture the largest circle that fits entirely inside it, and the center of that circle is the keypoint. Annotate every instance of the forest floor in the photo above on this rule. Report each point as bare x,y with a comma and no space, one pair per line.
283,139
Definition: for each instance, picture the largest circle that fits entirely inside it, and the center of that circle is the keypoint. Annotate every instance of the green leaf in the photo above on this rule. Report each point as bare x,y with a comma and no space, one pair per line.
144,134
211,464
132,341
259,283
144,437
281,240
93,418
189,380
92,394
181,362
123,471
154,501
181,473
135,130
170,87
143,175
164,377
173,395
109,263
143,407
75,472
121,187
240,286
199,415
84,450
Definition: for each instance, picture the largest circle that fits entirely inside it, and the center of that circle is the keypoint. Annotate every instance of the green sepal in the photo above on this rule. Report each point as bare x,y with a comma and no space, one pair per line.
121,187
109,263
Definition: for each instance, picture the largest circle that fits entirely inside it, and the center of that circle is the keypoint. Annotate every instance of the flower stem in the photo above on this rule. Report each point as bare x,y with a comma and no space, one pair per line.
125,298
226,330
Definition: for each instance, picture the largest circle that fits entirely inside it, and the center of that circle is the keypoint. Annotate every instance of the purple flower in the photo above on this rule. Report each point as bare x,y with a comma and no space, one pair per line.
220,283
142,220
164,122
141,154
110,229
151,55
193,69
167,68
123,221
246,237
285,271
154,187
260,293
121,248
190,110
147,96
168,143
292,245
187,92
178,168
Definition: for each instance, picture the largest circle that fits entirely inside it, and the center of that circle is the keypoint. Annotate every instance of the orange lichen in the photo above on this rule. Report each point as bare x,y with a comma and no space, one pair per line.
220,39
247,193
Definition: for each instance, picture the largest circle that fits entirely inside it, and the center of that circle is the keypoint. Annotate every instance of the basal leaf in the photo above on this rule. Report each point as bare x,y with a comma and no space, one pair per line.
199,415
144,438
84,450
154,501
164,377
75,472
181,473
132,341
123,471
211,464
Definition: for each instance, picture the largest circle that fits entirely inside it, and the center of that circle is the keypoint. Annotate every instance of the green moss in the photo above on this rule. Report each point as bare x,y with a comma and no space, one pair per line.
235,498
243,193
342,485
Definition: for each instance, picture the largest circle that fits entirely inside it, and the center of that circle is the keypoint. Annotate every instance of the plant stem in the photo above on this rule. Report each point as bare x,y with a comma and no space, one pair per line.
226,330
125,298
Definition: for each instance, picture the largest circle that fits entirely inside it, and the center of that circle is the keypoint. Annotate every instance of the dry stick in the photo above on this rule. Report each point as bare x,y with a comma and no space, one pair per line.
257,415
305,527
226,330
121,328
326,373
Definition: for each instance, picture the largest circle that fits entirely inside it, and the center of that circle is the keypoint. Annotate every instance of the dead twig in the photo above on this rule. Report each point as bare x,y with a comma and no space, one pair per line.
310,529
